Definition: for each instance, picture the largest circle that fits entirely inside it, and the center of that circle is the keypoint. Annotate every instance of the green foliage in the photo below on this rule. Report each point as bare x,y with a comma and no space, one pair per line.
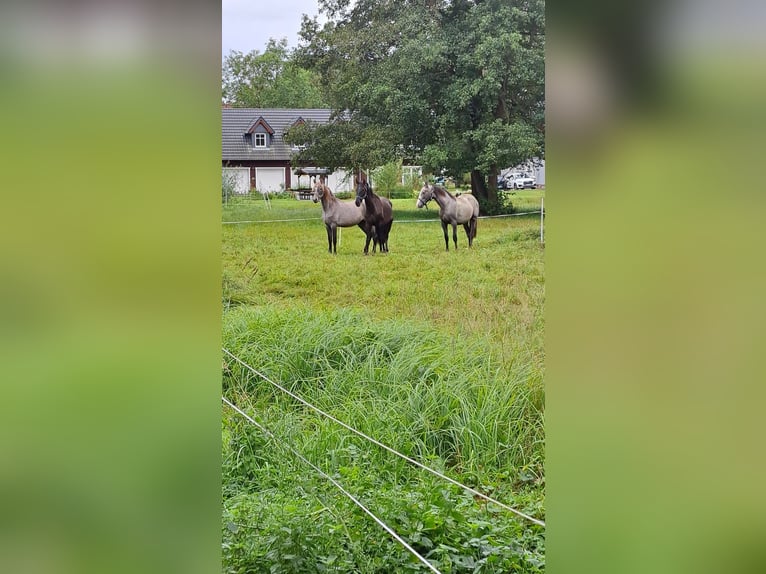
458,386
228,186
388,176
409,386
342,144
503,206
403,192
269,80
457,87
412,180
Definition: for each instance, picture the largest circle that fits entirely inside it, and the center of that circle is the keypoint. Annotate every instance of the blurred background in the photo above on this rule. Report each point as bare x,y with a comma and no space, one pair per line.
655,282
110,269
110,419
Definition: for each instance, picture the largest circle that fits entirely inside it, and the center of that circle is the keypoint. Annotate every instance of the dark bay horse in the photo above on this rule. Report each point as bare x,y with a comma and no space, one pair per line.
337,213
463,209
379,214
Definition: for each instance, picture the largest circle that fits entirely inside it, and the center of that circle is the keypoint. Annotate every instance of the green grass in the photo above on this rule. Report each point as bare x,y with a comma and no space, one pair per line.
437,354
256,209
495,289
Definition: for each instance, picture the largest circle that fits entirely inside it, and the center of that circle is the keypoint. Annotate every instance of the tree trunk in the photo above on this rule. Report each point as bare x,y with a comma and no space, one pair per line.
486,194
492,185
478,185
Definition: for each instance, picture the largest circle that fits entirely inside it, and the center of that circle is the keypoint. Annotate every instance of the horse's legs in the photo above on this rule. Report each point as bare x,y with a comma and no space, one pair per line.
474,224
454,234
378,238
368,233
384,229
467,227
446,236
334,239
329,238
364,226
388,232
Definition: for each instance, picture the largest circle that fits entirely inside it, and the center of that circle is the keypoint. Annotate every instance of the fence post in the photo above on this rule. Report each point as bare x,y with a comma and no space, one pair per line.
542,214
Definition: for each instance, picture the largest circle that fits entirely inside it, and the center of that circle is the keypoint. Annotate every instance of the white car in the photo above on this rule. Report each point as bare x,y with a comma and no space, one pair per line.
524,182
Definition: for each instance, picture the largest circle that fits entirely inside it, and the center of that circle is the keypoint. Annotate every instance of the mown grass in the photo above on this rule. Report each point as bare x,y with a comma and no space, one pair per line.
254,208
495,289
436,354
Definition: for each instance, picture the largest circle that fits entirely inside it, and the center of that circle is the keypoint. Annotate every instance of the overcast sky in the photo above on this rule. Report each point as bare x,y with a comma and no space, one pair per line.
248,24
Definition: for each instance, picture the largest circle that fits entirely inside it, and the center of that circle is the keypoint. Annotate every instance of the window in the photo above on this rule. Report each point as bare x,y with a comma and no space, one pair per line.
259,140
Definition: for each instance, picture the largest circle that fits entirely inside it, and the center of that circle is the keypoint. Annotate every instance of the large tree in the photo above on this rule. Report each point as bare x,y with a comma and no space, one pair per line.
269,80
455,85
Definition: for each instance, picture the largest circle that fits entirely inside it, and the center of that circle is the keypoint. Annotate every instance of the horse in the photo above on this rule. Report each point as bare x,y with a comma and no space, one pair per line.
463,209
379,214
337,213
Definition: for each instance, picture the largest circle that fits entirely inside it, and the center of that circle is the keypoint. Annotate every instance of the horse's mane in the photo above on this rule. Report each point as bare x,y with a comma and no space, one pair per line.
440,188
327,192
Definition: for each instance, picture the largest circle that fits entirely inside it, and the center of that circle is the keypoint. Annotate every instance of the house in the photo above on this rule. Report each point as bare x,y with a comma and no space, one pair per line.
255,156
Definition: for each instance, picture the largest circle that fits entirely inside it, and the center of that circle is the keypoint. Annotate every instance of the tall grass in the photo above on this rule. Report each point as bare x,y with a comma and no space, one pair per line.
413,389
409,386
436,354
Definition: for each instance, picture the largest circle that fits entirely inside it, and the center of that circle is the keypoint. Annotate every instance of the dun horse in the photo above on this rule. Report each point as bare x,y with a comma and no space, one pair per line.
379,214
463,209
337,213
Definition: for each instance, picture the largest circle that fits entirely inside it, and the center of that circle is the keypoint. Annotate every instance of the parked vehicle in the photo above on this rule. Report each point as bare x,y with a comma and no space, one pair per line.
523,181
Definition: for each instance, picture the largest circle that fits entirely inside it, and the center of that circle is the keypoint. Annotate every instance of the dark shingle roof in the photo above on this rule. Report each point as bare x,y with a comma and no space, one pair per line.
236,121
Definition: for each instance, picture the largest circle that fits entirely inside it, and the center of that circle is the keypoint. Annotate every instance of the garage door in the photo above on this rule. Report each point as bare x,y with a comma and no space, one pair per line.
237,179
269,179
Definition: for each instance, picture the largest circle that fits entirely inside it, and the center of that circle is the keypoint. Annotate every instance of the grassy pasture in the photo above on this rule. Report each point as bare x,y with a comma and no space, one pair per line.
438,354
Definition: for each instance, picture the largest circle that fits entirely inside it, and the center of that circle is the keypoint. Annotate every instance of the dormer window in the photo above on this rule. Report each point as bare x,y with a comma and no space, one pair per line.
259,133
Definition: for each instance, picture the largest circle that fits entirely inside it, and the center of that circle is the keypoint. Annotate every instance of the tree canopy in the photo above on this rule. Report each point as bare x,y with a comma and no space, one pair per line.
454,85
269,80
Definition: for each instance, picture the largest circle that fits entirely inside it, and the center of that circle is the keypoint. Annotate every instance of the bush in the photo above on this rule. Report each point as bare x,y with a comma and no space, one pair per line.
504,206
228,186
387,176
279,195
403,192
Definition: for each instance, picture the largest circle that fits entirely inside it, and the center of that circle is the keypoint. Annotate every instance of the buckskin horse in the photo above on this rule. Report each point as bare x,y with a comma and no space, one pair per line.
337,213
463,209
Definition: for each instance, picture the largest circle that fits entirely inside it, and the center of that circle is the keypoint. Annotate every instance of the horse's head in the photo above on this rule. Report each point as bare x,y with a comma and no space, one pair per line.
319,191
362,189
426,194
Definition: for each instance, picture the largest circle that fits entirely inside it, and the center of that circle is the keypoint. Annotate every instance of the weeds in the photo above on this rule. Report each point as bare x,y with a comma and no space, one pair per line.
438,355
